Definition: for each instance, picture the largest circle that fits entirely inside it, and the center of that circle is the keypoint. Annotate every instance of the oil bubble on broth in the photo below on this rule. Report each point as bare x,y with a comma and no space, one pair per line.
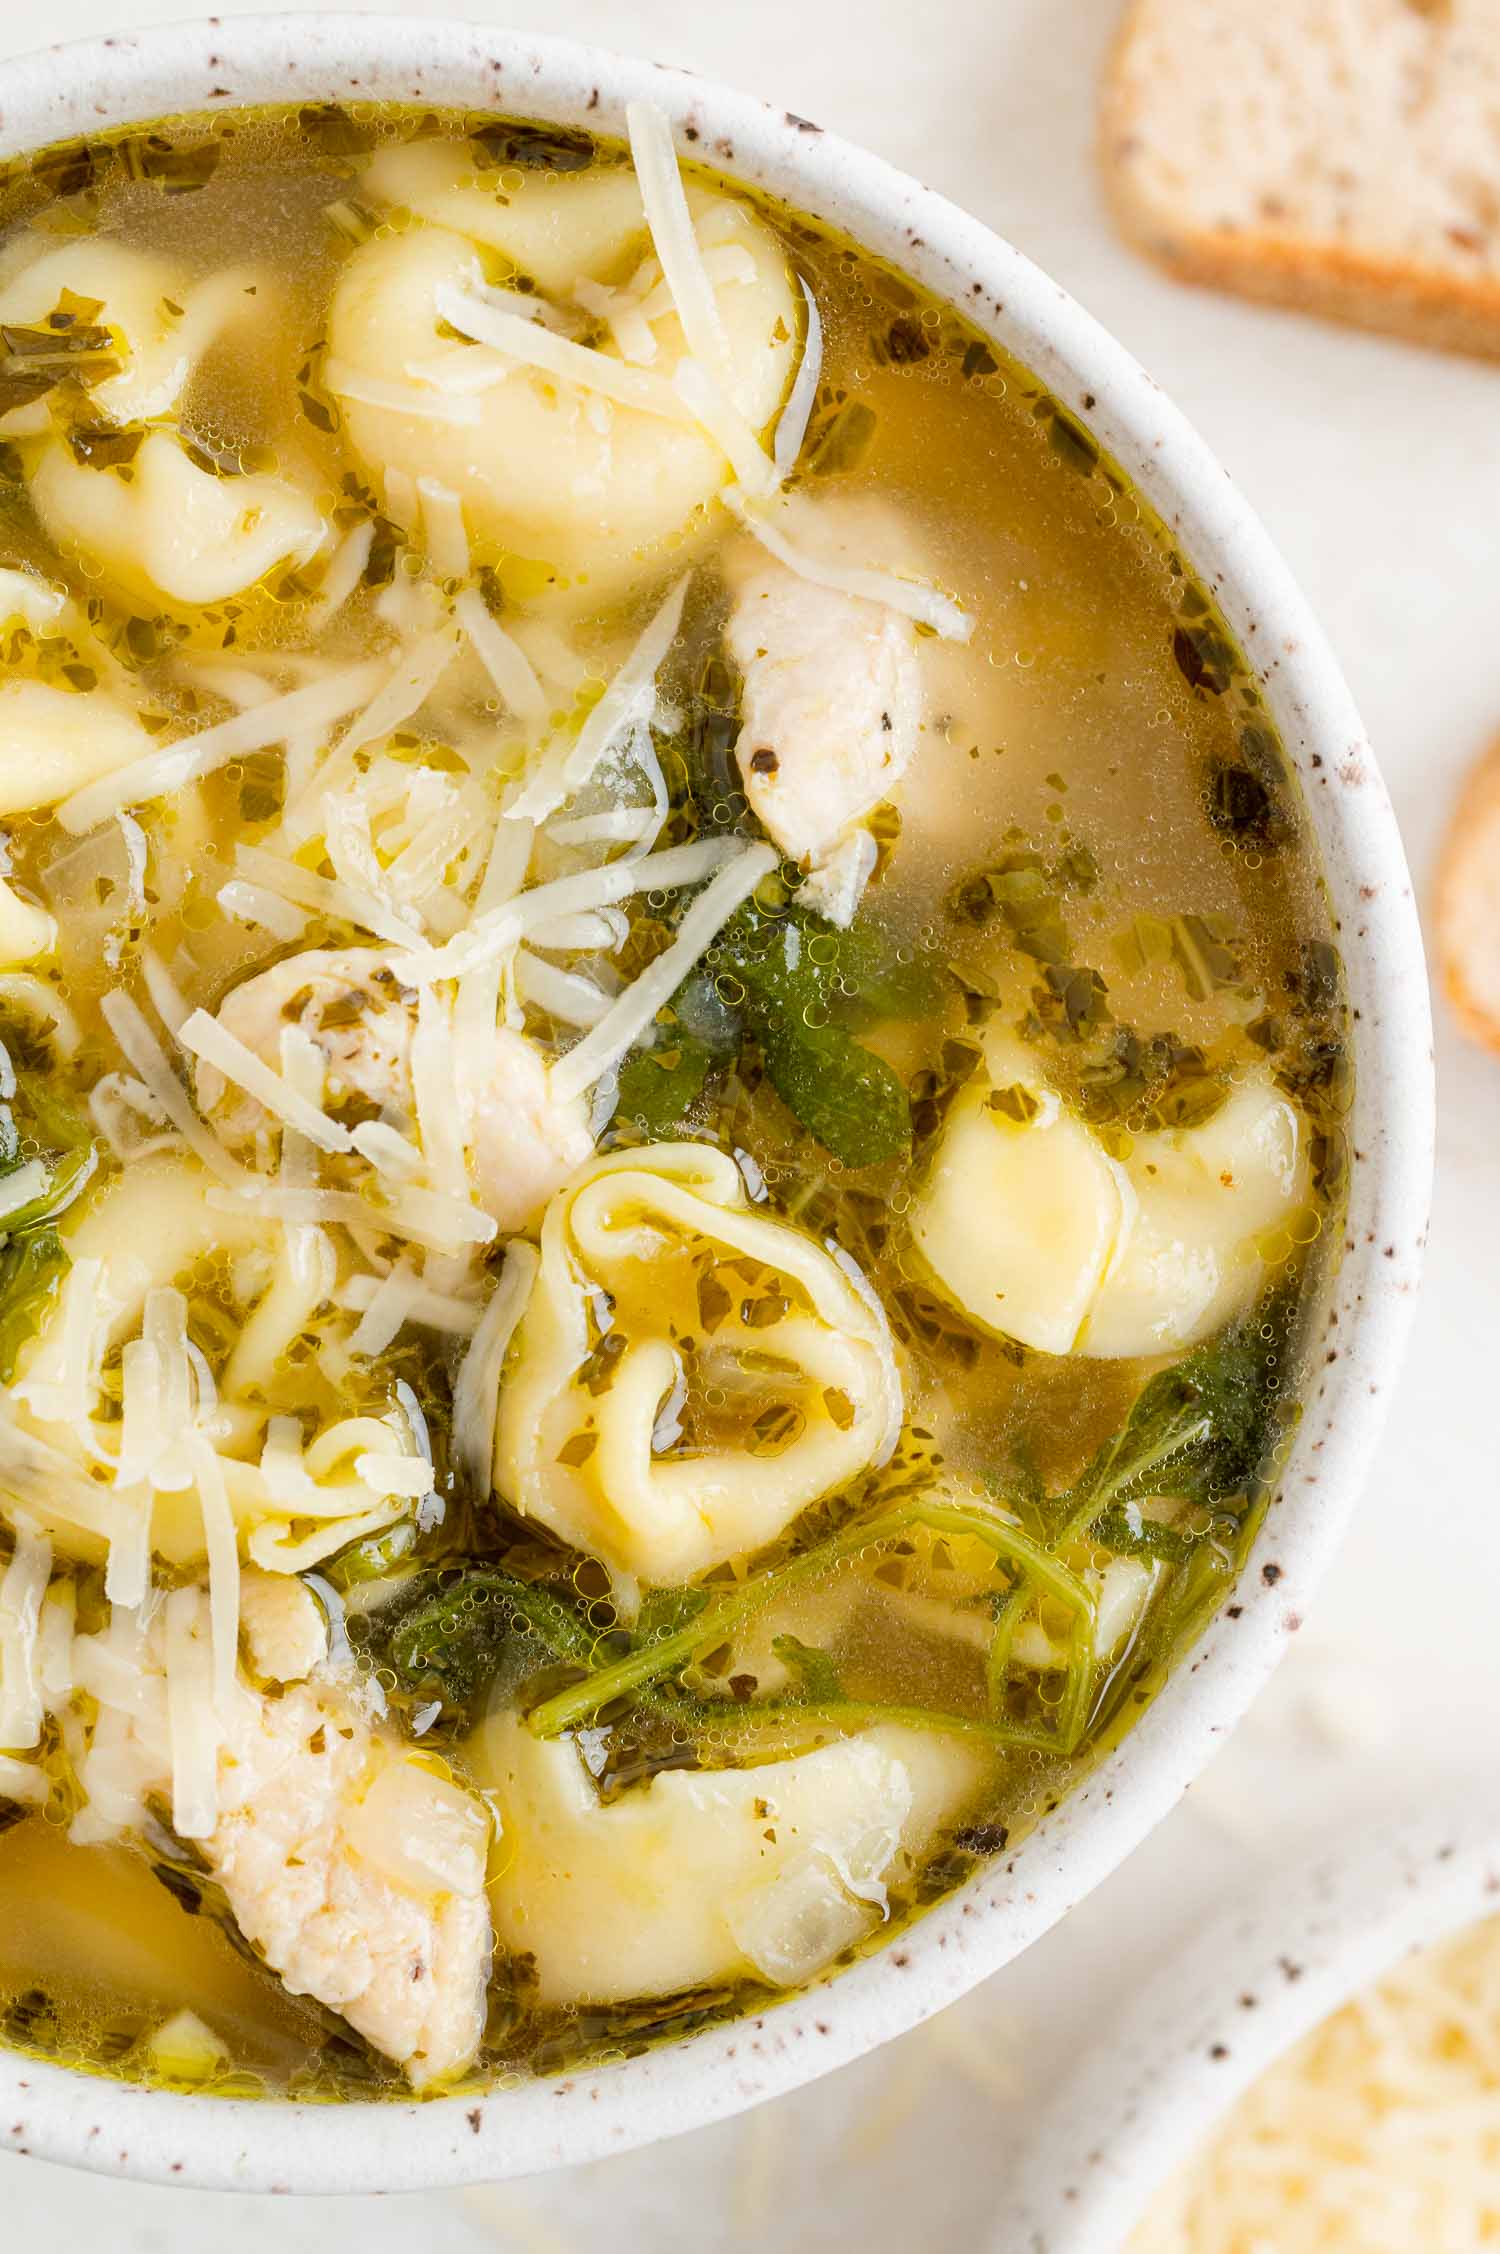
674,1076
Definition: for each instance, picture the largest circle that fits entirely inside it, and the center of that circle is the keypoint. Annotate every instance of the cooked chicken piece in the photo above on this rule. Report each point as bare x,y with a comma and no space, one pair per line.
350,1004
523,1142
831,707
283,1624
355,1870
358,1874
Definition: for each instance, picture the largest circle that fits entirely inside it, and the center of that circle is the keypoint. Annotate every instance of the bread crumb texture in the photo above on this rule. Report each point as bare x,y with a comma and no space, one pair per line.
1342,156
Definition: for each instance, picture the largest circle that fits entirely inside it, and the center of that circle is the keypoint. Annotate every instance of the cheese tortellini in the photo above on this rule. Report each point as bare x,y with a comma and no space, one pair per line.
140,1252
547,468
688,1374
1031,1228
766,1872
158,525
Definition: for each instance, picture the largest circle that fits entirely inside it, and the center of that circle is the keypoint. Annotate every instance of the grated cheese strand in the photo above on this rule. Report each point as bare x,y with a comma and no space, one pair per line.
497,932
420,401
144,1054
629,700
659,178
502,657
476,1392
222,1544
533,346
217,1046
791,429
617,1033
324,896
21,1593
253,904
913,598
319,705
443,522
191,1706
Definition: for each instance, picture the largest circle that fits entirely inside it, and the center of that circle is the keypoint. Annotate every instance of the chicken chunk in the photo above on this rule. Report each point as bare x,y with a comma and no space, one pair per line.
522,1141
832,706
354,1868
359,1876
283,1625
349,1003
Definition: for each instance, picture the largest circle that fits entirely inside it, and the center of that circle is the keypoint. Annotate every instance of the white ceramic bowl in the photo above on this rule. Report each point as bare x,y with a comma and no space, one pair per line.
1221,2011
133,77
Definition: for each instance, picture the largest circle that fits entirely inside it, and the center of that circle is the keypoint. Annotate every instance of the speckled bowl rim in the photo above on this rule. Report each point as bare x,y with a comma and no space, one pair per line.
171,2138
1165,2071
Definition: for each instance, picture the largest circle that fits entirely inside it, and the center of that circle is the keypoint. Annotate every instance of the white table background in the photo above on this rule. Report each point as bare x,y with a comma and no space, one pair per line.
1377,469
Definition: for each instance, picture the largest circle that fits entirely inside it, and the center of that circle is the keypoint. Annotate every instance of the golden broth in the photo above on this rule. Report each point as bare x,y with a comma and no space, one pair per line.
1098,842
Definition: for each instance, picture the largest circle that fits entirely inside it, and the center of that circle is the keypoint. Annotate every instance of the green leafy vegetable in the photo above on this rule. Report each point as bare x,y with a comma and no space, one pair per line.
657,1086
32,1268
813,1669
456,1637
849,1099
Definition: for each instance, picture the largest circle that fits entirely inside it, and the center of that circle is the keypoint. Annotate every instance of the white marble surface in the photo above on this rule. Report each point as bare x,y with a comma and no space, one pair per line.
1378,471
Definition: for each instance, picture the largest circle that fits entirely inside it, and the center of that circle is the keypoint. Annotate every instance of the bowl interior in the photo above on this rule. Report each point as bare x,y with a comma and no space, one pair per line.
136,77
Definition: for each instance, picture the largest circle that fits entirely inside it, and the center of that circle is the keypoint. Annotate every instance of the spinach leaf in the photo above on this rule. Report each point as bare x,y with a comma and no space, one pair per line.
1200,1430
848,1099
657,1086
32,1267
816,1674
457,1636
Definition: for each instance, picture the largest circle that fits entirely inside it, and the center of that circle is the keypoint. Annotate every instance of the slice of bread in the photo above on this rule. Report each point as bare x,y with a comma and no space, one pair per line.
1467,901
1338,155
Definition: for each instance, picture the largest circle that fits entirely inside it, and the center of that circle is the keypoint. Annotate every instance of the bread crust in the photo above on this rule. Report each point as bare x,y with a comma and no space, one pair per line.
1467,904
1424,304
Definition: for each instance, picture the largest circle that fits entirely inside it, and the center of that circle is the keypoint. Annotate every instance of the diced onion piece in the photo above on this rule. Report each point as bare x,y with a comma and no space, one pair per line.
911,597
476,1392
637,1006
319,705
143,1052
216,1045
186,2049
191,1708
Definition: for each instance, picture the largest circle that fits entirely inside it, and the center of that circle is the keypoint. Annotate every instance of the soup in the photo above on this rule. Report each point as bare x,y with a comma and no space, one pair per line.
673,1089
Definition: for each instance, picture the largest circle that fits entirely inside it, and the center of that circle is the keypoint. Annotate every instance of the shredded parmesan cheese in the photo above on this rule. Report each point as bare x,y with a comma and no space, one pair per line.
502,657
420,401
496,932
253,904
443,520
319,705
629,700
672,237
533,346
476,1392
21,1593
191,1707
619,1031
216,1045
912,597
143,1052
1378,2134
791,430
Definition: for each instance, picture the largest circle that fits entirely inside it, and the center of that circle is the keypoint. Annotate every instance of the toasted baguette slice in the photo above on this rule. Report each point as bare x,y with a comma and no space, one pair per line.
1468,905
1336,155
